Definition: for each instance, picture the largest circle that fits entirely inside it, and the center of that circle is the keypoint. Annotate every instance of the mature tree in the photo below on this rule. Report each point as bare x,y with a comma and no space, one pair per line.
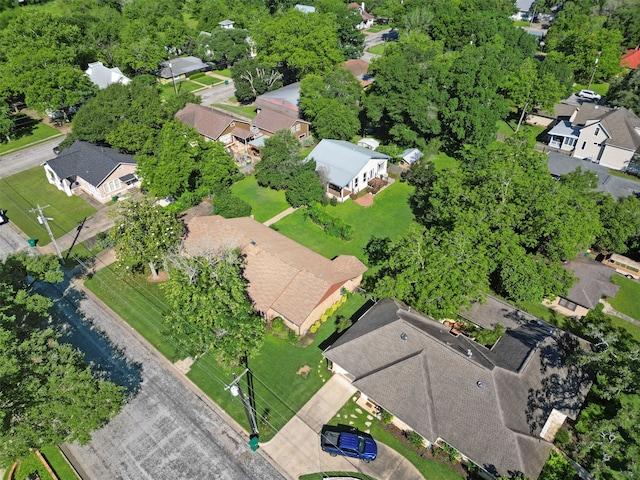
557,468
49,396
184,162
331,102
625,91
555,64
626,18
210,307
304,186
620,224
144,233
299,43
6,121
280,157
223,46
252,77
140,48
350,39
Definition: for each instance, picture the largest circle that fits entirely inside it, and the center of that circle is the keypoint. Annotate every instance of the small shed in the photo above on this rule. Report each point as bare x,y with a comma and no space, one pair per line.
410,156
370,143
226,24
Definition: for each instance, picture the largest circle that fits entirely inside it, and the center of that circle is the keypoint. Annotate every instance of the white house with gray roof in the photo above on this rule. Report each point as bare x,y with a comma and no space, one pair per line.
346,168
101,172
604,135
103,76
499,407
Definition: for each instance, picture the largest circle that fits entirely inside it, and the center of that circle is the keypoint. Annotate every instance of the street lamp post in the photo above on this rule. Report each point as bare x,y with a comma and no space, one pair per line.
175,89
595,66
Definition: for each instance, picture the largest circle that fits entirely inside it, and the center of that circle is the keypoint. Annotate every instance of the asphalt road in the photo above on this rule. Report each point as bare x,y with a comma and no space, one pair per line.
166,430
217,94
11,240
12,163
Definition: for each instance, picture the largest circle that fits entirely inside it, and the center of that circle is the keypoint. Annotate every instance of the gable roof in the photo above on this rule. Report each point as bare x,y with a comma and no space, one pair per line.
285,100
282,274
411,155
631,58
360,70
207,121
342,160
90,162
449,387
103,76
182,66
305,8
272,121
594,281
617,187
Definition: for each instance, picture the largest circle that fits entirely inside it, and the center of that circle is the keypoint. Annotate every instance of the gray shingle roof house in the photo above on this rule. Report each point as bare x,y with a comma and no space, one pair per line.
285,278
285,100
347,168
103,76
593,283
98,171
181,67
608,136
500,408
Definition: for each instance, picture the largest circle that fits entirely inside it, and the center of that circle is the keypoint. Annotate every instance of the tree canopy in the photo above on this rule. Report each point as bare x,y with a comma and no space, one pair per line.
49,396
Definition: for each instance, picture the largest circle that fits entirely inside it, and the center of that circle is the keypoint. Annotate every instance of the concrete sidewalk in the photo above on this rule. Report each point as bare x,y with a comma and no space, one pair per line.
296,448
280,216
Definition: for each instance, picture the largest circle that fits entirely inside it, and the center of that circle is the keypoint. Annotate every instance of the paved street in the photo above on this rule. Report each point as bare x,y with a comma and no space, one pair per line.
12,163
11,240
167,430
217,94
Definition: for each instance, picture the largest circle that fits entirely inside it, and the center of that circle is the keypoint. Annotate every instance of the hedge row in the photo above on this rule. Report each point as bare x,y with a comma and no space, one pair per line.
332,226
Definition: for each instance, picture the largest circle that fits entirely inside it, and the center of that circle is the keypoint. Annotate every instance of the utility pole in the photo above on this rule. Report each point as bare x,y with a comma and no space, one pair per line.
173,79
45,220
595,66
249,410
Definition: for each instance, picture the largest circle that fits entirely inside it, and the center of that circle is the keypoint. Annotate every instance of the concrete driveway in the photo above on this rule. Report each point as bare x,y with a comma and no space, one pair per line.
296,448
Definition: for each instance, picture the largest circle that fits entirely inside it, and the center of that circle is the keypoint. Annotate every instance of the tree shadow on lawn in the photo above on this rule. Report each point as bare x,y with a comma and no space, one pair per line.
106,360
23,125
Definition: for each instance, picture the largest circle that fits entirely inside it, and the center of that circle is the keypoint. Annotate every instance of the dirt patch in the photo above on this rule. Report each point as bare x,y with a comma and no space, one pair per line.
162,277
366,200
304,371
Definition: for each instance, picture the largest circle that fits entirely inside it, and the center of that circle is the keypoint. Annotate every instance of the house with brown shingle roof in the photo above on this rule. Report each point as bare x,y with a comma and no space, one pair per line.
499,407
268,122
215,125
285,279
604,135
593,283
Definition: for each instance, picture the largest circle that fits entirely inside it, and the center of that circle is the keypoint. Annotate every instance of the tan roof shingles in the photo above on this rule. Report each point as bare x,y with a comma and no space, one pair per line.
273,121
208,122
282,274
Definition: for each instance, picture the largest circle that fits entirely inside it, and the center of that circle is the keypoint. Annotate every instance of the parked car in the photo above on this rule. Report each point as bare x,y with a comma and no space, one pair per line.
589,94
3,217
336,441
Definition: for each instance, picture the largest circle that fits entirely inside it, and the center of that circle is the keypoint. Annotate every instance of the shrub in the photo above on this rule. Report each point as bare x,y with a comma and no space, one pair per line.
562,437
415,440
104,240
488,337
385,417
332,226
333,201
343,323
318,324
313,328
228,205
451,453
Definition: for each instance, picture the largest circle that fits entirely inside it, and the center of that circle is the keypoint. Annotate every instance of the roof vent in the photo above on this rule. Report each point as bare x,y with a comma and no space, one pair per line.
469,353
404,336
480,384
253,242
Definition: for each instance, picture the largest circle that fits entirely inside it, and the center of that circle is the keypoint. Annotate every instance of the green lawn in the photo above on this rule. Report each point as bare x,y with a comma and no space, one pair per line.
600,88
225,72
58,463
35,132
206,80
23,191
30,465
620,174
140,303
389,216
430,469
627,300
181,86
265,202
531,131
245,111
377,28
377,49
442,161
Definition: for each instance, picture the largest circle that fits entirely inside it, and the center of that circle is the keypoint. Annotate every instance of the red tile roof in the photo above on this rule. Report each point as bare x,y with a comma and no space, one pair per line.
631,59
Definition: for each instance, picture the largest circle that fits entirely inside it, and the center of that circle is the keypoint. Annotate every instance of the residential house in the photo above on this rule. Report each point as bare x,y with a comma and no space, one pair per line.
285,279
182,67
631,58
367,19
101,172
608,136
370,143
618,187
524,9
305,8
267,122
593,282
499,407
360,68
285,100
409,157
103,76
346,168
226,24
215,125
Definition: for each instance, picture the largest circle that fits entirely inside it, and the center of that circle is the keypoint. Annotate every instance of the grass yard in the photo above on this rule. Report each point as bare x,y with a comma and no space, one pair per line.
58,463
389,216
205,79
181,86
30,465
377,49
21,192
140,303
508,128
246,111
35,132
600,88
225,72
265,202
627,300
285,376
442,161
430,469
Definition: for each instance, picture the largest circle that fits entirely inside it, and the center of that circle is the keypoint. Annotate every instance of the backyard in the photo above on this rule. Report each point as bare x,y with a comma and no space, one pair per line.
389,216
21,193
265,202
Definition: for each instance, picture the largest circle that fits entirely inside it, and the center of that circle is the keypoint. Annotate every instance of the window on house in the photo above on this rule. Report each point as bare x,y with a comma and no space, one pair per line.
584,144
112,186
355,182
570,142
567,304
597,131
297,127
